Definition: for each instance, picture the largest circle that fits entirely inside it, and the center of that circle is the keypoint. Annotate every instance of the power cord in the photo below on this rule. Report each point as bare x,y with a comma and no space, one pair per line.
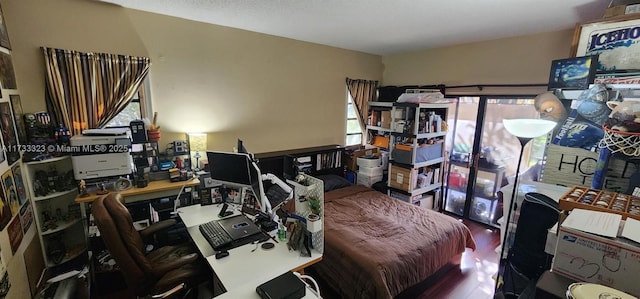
315,289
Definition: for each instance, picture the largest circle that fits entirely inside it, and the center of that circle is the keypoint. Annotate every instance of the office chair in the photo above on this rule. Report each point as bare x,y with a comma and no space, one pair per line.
145,273
527,259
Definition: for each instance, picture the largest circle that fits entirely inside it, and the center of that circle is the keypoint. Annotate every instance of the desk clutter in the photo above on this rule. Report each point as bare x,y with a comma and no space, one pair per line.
580,197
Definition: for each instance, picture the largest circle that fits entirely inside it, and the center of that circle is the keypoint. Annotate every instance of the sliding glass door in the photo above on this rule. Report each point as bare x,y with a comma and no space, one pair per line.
483,156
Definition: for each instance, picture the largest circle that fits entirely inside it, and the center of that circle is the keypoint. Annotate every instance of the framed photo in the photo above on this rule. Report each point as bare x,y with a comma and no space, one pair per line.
8,131
18,118
616,41
7,75
4,36
573,73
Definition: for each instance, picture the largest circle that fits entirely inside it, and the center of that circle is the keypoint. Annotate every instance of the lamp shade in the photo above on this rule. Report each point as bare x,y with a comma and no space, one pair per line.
197,142
528,127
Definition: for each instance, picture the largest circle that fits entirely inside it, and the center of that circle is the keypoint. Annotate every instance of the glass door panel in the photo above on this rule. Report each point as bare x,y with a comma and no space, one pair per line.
484,156
460,147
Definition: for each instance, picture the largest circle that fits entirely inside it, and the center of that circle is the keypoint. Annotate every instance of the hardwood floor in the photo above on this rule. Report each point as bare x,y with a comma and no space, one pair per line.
472,279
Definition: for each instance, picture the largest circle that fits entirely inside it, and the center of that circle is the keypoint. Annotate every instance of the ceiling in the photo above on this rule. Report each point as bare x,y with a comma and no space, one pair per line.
383,26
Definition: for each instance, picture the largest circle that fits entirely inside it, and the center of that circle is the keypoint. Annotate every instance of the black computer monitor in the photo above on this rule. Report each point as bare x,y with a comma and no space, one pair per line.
237,170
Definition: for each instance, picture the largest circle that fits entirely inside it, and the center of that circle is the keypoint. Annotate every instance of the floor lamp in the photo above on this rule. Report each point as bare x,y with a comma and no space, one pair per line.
524,130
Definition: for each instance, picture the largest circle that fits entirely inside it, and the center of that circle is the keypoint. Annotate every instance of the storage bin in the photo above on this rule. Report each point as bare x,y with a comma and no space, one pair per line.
415,199
371,171
368,161
404,154
367,180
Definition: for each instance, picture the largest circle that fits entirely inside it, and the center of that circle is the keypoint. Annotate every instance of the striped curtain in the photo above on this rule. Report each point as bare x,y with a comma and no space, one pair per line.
362,92
87,90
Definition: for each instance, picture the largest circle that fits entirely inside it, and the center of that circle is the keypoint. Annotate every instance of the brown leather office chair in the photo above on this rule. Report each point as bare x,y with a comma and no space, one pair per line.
145,273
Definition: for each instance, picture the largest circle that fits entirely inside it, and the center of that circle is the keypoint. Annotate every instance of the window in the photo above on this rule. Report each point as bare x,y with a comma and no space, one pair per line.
354,130
133,111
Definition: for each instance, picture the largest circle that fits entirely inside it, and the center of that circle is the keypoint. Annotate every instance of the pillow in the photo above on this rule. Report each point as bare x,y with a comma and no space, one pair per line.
333,182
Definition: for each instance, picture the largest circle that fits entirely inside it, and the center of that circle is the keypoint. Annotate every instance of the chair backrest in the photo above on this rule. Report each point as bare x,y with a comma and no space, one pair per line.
537,214
122,240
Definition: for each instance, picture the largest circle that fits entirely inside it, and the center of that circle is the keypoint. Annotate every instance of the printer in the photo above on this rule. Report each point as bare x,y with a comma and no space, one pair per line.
98,164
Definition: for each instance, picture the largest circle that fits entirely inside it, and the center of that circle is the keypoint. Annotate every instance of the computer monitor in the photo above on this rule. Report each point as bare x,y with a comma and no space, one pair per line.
237,170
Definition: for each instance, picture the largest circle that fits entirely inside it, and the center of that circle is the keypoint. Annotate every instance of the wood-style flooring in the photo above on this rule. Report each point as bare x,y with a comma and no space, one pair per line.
473,279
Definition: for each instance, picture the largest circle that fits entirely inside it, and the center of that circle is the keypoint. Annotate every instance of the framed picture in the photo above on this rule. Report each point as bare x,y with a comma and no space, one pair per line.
26,216
8,132
18,117
19,183
5,210
14,230
573,73
616,41
10,192
7,75
4,36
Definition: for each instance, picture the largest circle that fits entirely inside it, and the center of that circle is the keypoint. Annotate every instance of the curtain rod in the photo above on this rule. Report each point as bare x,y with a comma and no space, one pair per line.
482,86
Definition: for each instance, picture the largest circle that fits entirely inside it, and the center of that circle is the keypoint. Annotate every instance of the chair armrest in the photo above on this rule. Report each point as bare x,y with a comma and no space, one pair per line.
169,292
172,264
156,227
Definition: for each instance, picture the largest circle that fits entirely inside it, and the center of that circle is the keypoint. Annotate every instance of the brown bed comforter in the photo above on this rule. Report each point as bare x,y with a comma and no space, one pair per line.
377,246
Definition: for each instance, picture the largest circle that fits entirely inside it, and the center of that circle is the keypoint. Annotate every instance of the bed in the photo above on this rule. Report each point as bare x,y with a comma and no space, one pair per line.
377,246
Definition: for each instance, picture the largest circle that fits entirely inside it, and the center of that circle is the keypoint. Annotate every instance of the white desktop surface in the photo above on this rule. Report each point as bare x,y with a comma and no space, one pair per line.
242,271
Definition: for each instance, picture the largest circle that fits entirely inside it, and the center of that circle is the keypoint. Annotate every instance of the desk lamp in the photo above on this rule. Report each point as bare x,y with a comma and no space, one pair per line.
197,144
524,130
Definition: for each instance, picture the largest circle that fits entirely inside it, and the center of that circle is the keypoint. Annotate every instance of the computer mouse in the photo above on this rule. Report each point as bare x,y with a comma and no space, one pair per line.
221,254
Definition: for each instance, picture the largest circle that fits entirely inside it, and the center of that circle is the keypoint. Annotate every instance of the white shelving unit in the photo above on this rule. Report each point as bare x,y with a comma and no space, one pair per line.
59,219
416,165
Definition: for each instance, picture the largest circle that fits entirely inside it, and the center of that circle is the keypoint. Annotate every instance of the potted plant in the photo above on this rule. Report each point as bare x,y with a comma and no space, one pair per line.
314,205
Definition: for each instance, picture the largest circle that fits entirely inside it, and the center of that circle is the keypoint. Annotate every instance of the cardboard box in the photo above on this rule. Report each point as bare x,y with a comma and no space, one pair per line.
587,257
351,159
403,178
385,119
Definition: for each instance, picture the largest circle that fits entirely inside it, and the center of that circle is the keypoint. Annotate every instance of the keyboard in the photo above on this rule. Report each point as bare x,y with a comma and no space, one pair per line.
215,235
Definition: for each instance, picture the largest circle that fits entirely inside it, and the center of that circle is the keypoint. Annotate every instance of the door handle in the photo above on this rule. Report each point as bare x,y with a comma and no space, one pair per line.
476,160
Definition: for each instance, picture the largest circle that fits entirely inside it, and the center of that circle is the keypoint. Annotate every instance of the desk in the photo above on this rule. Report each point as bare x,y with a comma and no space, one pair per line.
155,189
242,271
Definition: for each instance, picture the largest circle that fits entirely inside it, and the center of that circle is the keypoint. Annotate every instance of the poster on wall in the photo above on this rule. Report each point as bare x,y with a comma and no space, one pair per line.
7,75
569,167
18,117
26,216
4,36
616,41
14,230
5,285
5,210
10,192
8,132
19,183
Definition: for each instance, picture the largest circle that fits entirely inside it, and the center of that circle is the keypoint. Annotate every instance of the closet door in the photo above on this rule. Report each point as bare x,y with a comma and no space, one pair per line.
483,156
